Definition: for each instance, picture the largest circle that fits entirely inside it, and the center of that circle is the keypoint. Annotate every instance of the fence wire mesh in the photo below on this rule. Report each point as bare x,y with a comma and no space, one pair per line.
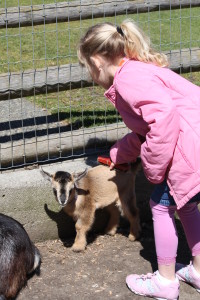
48,108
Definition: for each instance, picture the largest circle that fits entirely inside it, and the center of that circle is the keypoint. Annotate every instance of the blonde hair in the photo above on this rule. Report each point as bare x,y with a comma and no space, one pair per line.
129,41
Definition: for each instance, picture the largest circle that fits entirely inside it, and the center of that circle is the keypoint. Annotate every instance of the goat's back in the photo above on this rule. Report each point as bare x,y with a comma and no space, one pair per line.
105,185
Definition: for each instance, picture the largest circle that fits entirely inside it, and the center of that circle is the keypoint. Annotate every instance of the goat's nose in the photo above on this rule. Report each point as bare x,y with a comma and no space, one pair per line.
62,199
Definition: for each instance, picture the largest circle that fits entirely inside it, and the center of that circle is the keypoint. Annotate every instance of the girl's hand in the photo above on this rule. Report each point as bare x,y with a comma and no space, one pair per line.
122,167
112,166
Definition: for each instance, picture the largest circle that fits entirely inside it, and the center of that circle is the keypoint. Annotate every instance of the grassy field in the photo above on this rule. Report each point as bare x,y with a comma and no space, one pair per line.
55,44
12,3
46,45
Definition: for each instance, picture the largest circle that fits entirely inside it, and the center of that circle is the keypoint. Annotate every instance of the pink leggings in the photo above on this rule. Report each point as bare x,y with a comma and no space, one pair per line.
166,239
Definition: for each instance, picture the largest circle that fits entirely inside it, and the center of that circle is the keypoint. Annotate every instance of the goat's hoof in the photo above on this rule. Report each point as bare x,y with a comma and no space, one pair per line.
111,232
132,237
78,248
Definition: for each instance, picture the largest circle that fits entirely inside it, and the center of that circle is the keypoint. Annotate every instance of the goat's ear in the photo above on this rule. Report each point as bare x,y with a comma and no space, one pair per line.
78,176
46,175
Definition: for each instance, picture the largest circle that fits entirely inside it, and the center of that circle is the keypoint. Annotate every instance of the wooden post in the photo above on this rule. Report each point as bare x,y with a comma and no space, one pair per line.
71,11
33,82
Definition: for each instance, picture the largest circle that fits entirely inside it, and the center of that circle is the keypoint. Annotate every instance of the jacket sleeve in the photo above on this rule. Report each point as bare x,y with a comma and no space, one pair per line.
158,110
126,150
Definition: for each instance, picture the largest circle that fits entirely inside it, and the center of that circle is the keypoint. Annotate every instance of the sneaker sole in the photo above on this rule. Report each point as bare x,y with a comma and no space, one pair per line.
181,279
149,295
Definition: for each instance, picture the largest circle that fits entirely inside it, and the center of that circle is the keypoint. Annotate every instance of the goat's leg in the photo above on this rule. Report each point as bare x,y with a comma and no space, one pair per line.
83,225
131,212
114,219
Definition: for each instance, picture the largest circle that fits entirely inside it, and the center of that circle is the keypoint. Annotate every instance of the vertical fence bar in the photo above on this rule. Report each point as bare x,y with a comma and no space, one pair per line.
34,80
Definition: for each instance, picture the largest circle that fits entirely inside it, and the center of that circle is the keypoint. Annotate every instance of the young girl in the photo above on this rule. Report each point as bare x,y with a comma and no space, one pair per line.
162,110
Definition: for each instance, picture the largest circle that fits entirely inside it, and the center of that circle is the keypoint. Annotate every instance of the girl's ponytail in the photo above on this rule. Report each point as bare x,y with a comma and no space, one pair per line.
138,46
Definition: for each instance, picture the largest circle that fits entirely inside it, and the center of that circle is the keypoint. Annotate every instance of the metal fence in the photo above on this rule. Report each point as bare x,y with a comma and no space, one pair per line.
49,109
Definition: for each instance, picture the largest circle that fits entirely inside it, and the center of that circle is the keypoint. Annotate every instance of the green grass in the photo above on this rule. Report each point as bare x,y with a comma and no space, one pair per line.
55,44
46,45
14,3
80,108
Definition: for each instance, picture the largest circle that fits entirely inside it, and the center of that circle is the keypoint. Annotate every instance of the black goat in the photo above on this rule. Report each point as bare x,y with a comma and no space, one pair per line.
18,257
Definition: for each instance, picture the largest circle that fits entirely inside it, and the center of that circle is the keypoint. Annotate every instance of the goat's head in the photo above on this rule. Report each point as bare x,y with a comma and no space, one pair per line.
64,185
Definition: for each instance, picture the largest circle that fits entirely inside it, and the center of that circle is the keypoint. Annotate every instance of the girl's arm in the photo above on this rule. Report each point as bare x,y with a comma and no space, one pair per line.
152,100
126,150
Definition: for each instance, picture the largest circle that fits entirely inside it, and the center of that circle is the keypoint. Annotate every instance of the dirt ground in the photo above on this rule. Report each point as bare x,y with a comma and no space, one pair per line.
100,271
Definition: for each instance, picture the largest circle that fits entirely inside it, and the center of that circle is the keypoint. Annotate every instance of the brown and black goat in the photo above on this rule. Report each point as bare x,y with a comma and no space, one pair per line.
81,194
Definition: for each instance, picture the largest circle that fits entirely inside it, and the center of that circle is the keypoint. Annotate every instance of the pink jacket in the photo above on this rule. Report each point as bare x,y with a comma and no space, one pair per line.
162,110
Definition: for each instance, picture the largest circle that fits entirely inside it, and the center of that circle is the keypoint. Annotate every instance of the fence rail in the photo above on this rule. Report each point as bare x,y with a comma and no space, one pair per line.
55,146
71,11
40,81
53,79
